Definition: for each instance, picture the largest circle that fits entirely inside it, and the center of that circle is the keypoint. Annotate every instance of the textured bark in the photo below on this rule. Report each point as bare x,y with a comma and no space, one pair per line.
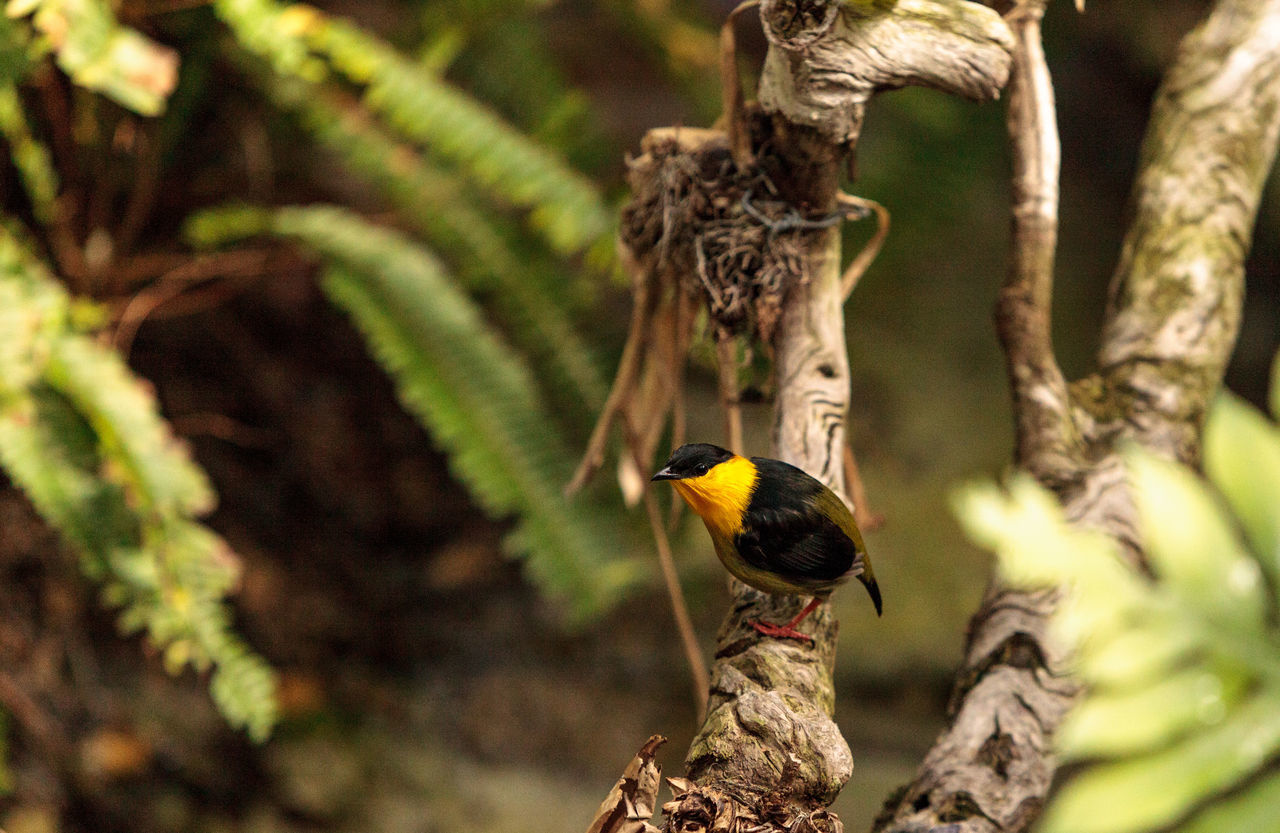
1171,324
769,740
769,728
1176,296
826,59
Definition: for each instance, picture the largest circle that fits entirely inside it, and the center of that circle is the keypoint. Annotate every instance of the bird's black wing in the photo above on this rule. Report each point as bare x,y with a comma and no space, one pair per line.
804,546
788,530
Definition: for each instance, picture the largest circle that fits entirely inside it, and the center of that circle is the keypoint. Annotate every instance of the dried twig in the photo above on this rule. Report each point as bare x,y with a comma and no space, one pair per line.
633,352
731,89
223,427
142,196
670,576
238,263
730,406
856,208
679,607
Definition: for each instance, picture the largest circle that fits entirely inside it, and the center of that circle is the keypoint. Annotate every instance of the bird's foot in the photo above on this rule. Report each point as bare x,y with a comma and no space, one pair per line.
780,631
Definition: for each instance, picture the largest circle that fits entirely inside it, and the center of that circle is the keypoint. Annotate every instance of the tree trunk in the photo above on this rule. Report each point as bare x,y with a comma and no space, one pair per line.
769,742
1171,323
769,755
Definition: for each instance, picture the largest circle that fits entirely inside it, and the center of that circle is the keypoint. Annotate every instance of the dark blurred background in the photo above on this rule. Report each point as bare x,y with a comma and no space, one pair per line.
426,684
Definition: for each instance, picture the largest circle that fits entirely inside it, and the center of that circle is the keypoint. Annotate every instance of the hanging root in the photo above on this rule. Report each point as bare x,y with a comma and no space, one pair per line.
856,208
731,90
634,353
730,406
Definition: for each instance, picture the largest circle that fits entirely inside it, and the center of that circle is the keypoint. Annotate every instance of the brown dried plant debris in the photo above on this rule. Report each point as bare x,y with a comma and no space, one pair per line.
715,231
701,229
630,804
698,230
703,809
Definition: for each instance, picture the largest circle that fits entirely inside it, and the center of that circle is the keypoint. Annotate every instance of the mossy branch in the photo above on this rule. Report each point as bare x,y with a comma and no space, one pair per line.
1172,320
769,731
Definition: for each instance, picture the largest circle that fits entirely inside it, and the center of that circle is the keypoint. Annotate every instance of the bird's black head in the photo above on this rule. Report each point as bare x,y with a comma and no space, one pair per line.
692,460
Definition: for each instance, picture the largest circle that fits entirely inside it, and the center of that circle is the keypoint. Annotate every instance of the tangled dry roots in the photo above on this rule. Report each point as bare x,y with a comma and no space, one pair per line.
698,809
716,231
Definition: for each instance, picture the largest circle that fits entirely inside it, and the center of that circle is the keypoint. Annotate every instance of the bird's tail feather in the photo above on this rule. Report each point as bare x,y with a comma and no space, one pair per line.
873,589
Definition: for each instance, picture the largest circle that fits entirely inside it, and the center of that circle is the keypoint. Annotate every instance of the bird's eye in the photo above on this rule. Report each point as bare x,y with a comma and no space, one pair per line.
701,469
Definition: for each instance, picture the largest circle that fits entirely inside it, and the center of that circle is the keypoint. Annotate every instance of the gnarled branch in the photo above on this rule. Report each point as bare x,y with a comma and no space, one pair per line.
769,734
1170,327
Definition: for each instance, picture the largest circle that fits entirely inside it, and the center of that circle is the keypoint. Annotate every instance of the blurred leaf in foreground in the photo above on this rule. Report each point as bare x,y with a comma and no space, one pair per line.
1179,728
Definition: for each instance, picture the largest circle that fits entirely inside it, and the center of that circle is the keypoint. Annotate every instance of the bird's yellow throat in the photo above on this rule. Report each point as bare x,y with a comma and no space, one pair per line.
720,497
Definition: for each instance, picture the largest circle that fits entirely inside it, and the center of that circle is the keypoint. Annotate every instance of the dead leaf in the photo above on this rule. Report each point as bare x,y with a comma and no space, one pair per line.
630,803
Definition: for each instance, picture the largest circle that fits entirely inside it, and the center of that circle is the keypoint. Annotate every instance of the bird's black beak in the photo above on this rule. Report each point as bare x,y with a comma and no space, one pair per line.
665,474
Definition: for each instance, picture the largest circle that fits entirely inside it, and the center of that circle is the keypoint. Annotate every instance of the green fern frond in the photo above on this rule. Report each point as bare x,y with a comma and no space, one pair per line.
35,169
439,204
264,28
480,42
424,109
82,438
157,474
475,395
16,52
1180,726
99,54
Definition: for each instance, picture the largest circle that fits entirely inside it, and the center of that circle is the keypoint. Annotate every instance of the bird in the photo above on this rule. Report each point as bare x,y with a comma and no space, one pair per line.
773,526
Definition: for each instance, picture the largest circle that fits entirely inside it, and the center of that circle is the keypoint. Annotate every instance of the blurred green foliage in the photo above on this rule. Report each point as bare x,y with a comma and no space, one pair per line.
98,53
504,401
1180,723
473,315
83,438
477,396
304,43
78,432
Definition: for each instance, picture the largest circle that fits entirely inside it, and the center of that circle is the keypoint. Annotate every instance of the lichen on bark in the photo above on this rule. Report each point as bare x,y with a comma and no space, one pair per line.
1170,326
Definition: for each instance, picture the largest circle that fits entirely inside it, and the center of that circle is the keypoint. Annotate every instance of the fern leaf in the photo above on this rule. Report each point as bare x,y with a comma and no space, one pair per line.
35,169
426,110
157,474
82,438
473,393
16,56
438,204
1181,720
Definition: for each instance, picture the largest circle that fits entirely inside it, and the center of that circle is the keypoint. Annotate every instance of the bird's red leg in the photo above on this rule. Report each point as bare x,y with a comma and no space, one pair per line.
788,631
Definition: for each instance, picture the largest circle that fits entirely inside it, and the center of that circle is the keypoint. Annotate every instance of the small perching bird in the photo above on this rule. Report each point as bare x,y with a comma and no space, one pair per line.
773,526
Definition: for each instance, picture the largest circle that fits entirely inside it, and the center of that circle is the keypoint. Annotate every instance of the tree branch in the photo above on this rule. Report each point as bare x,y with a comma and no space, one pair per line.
1174,307
1170,327
1047,442
826,59
769,733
